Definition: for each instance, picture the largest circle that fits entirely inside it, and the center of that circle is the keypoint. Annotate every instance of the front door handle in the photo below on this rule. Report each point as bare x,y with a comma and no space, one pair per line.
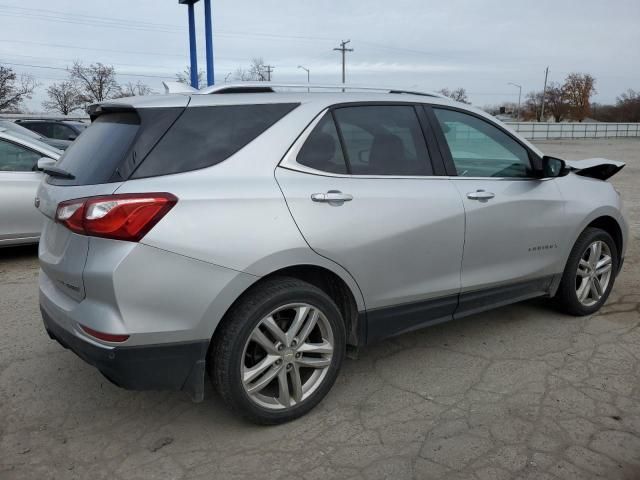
332,197
480,195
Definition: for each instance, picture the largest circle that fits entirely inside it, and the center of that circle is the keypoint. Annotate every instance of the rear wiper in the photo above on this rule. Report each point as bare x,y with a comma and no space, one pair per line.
58,172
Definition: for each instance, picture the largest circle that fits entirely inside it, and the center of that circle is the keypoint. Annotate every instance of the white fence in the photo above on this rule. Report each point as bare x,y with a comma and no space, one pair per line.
534,130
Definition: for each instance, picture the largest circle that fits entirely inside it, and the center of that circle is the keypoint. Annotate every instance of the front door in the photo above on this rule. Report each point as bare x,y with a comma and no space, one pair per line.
362,191
514,225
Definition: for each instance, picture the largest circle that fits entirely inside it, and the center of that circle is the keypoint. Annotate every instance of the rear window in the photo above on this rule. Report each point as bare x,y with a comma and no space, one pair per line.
94,156
206,136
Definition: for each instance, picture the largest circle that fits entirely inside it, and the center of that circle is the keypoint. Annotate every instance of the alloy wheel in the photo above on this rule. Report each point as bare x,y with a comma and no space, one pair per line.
594,273
287,356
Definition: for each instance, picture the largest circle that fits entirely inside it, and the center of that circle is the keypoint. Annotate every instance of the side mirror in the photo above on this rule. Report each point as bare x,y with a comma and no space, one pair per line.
552,167
72,137
45,162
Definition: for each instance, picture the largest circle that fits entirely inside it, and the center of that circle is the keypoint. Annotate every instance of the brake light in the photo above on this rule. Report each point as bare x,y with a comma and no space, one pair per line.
120,217
107,337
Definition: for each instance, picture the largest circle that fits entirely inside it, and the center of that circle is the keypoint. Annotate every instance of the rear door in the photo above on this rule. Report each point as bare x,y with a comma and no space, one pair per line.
514,221
362,190
19,219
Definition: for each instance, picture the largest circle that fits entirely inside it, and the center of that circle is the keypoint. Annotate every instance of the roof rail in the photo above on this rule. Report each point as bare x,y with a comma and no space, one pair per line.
266,87
177,87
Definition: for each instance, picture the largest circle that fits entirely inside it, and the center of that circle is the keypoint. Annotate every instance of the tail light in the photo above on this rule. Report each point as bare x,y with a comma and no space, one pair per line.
120,217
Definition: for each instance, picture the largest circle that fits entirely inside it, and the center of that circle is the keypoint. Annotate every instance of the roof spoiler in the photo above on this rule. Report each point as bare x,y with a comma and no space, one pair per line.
97,109
177,87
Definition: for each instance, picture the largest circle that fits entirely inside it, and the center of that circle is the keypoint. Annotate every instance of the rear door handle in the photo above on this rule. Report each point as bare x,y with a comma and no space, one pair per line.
333,197
480,195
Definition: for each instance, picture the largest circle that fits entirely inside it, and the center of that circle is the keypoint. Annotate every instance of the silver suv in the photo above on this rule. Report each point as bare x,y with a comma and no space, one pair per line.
257,236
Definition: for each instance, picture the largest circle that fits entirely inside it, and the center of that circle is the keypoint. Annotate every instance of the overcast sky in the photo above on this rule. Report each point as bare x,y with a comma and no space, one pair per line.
480,45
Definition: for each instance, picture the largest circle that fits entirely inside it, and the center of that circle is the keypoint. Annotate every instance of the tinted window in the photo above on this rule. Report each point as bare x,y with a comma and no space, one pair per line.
14,158
62,132
480,149
322,148
41,128
98,152
383,140
205,136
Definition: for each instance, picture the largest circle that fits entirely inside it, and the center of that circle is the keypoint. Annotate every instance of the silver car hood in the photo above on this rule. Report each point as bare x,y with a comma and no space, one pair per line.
599,168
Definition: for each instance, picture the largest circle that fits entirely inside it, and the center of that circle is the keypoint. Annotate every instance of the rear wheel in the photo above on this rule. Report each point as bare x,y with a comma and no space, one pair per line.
589,274
278,351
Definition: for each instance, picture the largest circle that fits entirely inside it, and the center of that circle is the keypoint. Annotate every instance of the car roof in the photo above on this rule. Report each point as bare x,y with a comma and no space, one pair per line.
322,97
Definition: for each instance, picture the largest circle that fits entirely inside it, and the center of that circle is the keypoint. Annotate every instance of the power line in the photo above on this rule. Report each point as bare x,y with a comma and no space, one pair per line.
65,70
342,48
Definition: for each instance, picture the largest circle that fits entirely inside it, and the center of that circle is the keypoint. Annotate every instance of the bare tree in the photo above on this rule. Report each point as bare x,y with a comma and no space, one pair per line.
579,87
95,83
63,98
14,90
185,76
257,71
628,105
459,94
131,89
556,101
532,106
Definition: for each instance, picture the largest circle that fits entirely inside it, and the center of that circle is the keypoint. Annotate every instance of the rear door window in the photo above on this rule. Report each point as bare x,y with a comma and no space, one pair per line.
383,140
205,136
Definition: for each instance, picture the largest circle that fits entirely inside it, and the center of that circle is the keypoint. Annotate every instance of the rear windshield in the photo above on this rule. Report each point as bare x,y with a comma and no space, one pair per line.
206,136
97,153
160,141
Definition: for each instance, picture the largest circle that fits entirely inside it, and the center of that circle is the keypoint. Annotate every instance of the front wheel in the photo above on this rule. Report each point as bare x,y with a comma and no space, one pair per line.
278,351
589,274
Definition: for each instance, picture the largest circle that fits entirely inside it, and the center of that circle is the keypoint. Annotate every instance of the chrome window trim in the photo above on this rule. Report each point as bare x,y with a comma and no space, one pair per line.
289,161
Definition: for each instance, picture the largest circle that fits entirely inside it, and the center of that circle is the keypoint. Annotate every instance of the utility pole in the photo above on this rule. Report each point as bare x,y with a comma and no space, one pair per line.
544,93
208,39
519,97
342,48
269,69
192,42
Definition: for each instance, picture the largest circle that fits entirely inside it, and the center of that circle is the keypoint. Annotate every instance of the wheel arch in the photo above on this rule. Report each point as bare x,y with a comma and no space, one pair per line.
341,291
612,227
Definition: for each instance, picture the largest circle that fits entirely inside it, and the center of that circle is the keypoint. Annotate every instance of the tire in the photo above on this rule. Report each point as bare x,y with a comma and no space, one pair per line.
567,296
245,341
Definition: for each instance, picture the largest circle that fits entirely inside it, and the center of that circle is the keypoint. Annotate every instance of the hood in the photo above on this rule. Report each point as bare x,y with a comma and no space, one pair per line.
599,168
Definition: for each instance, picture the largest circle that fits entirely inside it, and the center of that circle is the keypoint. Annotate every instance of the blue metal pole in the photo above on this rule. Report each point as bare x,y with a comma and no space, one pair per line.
193,48
208,41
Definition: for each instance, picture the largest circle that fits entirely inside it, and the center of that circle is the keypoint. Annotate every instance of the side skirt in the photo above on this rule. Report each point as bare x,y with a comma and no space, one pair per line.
395,320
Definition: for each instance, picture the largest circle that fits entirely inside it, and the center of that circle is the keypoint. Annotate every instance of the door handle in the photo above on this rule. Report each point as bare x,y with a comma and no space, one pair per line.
333,197
480,195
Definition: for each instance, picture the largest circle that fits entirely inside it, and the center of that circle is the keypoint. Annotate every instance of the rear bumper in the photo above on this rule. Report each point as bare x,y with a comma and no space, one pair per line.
174,366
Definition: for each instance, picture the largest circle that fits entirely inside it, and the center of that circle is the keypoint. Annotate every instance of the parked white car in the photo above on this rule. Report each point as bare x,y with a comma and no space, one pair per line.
20,221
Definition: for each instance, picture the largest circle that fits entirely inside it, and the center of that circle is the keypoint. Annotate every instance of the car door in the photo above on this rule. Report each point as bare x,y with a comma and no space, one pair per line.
514,221
361,189
19,219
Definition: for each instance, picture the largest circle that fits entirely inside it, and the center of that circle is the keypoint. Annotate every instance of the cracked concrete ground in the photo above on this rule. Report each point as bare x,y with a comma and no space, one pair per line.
521,392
